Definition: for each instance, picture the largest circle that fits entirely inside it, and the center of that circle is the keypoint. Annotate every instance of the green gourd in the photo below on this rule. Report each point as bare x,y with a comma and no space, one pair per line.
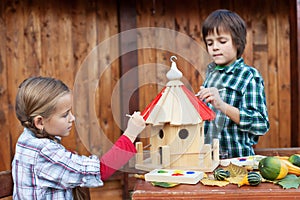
272,168
254,178
220,174
295,159
251,178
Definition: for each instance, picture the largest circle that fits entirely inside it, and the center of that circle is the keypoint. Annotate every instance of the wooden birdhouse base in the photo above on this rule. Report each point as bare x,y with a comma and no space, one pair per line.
148,166
207,160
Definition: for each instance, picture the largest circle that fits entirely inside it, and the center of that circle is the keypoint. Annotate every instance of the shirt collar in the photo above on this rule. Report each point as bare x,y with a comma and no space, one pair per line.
28,131
212,66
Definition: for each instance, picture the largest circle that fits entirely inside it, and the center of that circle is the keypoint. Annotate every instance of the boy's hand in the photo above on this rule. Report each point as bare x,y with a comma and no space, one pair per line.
212,96
135,126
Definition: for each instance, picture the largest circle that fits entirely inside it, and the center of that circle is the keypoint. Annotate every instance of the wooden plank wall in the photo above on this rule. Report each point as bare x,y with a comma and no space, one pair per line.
53,38
268,49
295,70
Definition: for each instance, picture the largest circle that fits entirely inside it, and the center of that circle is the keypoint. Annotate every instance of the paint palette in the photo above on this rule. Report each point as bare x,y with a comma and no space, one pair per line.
243,161
174,176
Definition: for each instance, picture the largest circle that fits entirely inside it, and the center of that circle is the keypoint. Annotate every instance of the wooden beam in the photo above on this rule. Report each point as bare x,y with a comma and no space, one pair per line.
295,71
128,61
296,102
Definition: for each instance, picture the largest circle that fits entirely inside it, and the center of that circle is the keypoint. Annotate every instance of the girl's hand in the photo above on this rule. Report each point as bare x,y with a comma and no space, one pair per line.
212,96
135,126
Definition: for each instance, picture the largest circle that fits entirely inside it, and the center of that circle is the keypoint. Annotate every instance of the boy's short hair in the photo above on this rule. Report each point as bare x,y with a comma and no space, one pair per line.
228,21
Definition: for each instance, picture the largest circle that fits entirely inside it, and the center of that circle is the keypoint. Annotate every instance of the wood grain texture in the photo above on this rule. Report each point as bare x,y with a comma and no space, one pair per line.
53,38
145,190
5,142
284,76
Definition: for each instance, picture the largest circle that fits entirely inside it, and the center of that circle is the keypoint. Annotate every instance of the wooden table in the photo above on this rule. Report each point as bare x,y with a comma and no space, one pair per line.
144,190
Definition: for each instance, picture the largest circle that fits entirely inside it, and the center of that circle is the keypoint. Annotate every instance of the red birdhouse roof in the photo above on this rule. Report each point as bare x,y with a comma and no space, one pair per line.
175,104
182,109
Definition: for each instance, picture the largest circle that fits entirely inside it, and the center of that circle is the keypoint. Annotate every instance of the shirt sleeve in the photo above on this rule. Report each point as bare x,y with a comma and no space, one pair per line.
58,168
253,111
122,151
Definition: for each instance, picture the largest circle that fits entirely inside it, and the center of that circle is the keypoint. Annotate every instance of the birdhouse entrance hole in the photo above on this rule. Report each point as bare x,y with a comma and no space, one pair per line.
161,134
183,134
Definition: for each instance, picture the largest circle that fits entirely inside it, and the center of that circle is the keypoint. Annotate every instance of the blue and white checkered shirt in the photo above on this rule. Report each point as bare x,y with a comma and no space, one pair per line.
43,169
244,89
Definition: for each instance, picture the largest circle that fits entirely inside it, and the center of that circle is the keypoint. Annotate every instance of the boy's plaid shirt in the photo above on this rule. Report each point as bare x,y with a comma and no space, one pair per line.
244,89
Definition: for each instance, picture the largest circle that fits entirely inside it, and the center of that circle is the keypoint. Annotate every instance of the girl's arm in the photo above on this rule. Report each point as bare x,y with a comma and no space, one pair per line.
122,151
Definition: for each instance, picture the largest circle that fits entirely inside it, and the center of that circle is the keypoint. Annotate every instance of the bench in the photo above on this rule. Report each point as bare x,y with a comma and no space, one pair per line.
6,184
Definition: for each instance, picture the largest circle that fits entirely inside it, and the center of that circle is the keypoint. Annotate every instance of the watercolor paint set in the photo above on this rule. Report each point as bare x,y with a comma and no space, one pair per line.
174,176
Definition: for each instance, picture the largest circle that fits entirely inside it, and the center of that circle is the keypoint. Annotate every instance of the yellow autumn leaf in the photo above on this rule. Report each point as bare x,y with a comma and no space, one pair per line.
164,184
235,179
236,170
210,182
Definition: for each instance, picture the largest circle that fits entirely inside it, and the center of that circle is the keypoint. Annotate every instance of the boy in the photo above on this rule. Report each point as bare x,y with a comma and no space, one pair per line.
234,90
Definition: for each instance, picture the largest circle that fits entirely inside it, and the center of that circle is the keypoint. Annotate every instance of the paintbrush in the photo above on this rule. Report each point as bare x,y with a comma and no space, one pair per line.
222,89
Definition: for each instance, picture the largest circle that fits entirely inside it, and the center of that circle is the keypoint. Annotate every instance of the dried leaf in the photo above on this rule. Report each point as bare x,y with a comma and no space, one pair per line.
290,181
210,182
236,170
235,179
164,184
139,176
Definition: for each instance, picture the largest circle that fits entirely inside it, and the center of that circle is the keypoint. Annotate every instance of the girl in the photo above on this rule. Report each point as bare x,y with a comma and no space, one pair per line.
42,168
234,90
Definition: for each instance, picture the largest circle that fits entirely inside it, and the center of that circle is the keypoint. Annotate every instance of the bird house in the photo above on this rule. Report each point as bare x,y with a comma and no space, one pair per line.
176,118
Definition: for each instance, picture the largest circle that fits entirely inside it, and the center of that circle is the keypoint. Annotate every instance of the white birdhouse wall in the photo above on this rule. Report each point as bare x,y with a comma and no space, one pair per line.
184,142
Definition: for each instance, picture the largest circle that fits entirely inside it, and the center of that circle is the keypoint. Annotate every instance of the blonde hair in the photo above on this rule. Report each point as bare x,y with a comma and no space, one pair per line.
38,96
